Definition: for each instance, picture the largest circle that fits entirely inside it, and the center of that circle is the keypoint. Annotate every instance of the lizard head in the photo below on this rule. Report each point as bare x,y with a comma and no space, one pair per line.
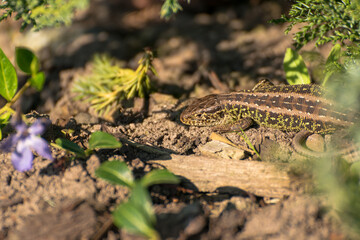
204,111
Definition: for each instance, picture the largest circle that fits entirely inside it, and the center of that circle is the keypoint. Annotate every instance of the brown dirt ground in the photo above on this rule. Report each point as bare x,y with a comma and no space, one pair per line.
64,200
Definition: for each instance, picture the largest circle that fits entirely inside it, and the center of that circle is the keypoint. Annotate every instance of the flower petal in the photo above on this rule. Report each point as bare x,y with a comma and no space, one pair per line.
22,161
19,125
38,127
40,146
23,143
7,144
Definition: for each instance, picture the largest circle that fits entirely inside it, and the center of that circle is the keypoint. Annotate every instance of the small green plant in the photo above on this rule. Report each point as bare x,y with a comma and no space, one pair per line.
137,214
324,21
247,141
108,83
28,63
41,13
97,140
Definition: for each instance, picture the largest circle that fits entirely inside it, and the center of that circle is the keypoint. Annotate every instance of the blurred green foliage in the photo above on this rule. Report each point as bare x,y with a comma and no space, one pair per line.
324,21
338,179
335,21
344,80
42,13
340,182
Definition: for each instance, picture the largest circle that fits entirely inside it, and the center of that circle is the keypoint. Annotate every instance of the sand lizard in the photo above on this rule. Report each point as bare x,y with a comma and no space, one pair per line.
301,108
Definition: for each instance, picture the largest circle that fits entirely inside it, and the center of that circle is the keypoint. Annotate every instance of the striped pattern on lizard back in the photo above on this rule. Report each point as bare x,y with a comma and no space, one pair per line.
287,107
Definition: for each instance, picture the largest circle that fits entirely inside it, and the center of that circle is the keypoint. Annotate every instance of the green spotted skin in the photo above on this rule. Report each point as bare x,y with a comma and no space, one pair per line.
287,107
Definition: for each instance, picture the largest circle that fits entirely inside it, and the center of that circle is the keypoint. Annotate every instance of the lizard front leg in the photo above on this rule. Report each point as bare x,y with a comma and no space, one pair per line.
237,126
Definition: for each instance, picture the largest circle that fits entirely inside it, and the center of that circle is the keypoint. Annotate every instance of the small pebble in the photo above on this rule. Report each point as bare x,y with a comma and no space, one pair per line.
223,150
86,118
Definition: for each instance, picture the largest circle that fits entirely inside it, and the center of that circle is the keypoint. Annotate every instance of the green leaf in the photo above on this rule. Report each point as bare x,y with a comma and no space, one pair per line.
103,140
133,220
131,93
334,54
4,118
327,76
159,176
70,146
169,7
8,78
332,63
141,198
295,68
355,168
38,80
26,60
116,172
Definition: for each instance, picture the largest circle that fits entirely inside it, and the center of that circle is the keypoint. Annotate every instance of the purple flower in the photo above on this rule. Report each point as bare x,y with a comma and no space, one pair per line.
24,142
